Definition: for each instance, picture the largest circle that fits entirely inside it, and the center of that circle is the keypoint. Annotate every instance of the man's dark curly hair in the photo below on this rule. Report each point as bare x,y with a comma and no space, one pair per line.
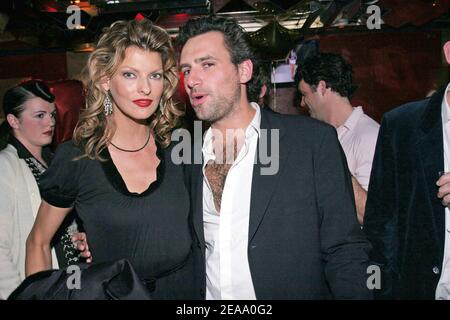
260,78
236,39
331,68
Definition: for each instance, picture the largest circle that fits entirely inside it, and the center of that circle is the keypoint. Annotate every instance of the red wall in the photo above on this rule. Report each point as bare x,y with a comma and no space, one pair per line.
46,66
391,68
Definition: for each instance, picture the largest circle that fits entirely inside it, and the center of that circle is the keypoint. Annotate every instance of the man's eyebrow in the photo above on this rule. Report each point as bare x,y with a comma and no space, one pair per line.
184,65
197,60
208,57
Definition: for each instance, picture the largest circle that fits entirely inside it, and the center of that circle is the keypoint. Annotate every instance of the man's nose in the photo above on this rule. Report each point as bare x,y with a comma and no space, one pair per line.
192,79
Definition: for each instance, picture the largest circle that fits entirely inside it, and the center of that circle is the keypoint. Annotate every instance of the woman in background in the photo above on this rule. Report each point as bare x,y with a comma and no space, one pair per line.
26,132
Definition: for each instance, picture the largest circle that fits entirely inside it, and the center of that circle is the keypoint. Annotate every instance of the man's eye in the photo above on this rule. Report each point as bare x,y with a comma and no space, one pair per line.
40,115
208,64
185,72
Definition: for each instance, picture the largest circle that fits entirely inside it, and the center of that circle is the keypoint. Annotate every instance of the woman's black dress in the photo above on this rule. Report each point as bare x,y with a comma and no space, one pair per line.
149,229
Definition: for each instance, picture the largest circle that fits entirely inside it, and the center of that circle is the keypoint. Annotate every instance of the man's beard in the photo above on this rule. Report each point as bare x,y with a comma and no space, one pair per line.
219,108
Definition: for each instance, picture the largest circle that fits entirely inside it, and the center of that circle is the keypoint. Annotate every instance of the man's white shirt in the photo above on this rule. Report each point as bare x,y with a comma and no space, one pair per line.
226,233
443,287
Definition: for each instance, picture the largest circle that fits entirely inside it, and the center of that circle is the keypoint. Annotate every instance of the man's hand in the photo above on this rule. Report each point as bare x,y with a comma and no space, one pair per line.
444,188
360,200
80,241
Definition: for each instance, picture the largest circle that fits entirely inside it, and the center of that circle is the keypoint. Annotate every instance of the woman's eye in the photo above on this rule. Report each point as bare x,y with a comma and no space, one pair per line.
128,75
156,76
40,115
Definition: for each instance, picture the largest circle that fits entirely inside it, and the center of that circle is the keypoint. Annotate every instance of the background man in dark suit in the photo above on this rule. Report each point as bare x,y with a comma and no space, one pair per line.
407,219
289,234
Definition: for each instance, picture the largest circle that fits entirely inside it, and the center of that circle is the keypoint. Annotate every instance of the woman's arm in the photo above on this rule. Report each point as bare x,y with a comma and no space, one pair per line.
48,220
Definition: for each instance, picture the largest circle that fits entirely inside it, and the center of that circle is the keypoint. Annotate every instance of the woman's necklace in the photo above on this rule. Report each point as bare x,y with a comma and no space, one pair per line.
135,150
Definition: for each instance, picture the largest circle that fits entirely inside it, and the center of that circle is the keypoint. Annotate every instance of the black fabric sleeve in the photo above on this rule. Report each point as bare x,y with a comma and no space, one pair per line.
59,184
381,216
344,246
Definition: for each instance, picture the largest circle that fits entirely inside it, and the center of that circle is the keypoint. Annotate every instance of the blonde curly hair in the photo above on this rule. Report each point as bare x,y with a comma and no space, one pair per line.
92,131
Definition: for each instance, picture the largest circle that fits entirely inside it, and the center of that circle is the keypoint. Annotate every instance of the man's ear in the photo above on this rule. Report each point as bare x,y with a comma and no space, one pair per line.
322,87
447,51
263,91
245,69
13,121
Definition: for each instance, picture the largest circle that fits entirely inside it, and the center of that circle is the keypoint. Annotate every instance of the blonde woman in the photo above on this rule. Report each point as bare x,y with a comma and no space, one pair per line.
117,171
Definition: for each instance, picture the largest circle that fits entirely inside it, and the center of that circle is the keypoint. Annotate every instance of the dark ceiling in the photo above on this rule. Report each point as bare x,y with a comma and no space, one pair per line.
42,23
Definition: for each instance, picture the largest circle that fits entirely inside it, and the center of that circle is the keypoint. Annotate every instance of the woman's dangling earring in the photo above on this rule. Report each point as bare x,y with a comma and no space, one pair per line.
107,104
161,106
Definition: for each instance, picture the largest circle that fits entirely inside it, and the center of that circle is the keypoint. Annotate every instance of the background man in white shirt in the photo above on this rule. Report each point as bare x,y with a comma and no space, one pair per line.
287,235
325,81
407,217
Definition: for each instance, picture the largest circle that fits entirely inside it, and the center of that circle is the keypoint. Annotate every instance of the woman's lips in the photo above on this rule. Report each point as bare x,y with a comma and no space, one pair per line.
48,133
143,103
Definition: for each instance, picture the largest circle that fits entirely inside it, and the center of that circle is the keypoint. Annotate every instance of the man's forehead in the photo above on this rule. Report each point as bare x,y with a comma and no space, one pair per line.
209,37
201,45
